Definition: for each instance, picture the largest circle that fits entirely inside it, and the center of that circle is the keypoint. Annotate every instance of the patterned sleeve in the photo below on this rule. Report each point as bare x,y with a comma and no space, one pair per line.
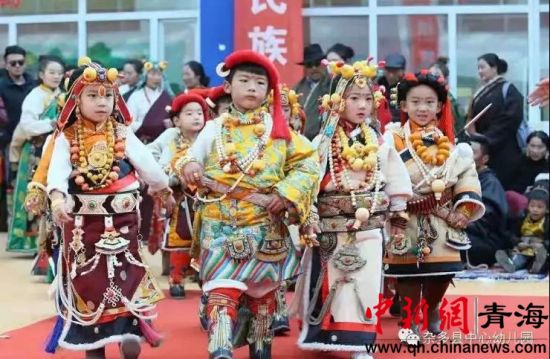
300,185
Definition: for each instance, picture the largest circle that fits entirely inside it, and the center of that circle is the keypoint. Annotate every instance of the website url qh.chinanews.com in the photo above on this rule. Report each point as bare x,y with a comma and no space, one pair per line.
458,348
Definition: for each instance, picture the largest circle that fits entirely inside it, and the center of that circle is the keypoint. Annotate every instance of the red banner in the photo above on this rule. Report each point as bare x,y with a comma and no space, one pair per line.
273,28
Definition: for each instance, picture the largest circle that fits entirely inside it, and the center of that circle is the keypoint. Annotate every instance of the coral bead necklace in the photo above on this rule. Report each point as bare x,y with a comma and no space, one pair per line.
227,150
97,167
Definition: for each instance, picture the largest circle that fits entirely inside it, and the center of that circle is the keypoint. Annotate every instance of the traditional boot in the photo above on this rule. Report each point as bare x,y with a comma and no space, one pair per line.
202,312
433,291
222,313
95,353
177,270
412,289
260,334
281,324
130,348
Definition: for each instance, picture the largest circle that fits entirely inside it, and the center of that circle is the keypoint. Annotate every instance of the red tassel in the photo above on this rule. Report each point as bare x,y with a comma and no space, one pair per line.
383,114
150,334
446,120
280,126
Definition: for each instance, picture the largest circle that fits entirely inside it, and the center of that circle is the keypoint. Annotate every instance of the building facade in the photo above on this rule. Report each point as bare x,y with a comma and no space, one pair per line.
177,31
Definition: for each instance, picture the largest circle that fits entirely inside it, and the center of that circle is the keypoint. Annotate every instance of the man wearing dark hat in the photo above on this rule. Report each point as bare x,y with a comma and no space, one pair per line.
393,72
314,85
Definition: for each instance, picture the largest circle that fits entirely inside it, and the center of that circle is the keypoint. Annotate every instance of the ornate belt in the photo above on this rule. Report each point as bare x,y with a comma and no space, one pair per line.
343,224
105,204
340,205
427,204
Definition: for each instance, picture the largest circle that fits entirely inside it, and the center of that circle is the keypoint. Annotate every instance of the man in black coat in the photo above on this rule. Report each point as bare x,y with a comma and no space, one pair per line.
488,234
14,87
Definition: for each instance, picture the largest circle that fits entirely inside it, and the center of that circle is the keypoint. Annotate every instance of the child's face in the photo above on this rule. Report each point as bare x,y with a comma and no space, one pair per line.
154,79
536,209
248,91
52,75
191,118
94,107
359,104
421,105
223,107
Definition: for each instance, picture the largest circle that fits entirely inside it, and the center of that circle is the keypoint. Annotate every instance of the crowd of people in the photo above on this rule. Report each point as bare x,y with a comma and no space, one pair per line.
361,171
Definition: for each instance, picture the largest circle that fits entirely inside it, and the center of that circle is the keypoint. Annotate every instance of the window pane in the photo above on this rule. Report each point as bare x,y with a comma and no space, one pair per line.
479,34
62,41
545,56
140,5
112,42
35,7
352,31
449,2
420,38
334,3
178,39
3,43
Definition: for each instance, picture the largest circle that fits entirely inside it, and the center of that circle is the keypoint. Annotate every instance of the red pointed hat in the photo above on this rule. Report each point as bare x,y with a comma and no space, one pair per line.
214,95
280,127
184,98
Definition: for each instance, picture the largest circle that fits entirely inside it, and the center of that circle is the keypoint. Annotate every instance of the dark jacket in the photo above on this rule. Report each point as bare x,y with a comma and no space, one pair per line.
488,234
13,96
310,101
526,172
500,125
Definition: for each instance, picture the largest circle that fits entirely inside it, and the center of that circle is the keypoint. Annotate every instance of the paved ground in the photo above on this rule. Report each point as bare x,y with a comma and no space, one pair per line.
24,299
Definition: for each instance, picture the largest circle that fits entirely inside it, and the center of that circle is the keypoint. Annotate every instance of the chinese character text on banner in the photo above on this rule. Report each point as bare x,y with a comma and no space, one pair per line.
274,28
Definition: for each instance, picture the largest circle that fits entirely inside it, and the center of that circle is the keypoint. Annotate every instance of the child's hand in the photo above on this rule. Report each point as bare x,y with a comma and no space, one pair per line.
458,220
276,205
310,234
60,212
192,174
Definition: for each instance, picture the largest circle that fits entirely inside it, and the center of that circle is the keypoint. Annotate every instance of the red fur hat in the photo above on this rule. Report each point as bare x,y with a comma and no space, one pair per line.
202,92
280,127
183,99
214,95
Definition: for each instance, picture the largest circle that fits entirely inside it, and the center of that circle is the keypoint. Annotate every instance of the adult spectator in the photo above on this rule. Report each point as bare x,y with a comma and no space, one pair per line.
314,84
393,72
194,76
488,233
340,52
501,122
440,68
132,70
533,162
13,89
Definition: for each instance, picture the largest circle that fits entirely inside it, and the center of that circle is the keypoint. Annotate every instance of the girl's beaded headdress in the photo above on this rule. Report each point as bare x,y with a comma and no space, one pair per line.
92,73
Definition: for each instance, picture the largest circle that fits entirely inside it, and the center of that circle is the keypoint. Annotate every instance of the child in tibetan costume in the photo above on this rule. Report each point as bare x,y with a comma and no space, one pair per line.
105,292
363,182
447,196
147,105
295,119
218,100
38,118
188,112
257,172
